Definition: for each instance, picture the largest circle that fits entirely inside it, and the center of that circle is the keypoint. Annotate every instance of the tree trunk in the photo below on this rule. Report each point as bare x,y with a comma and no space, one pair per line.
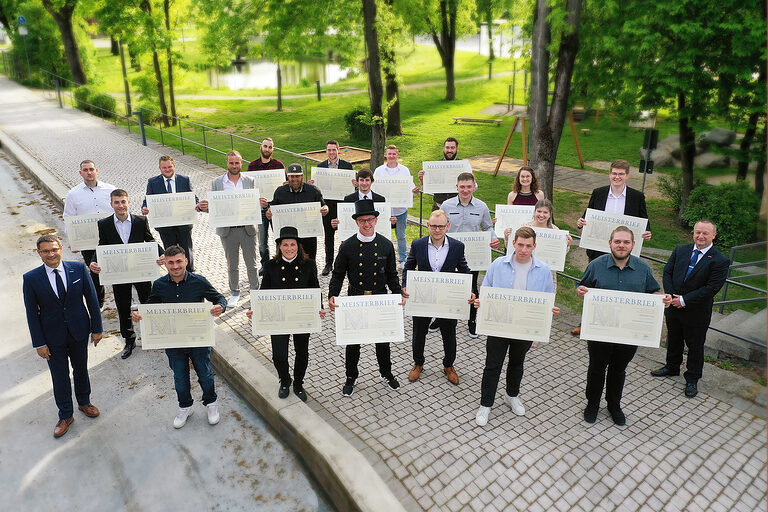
394,126
169,59
160,88
744,145
489,22
537,106
446,43
128,108
688,147
114,47
760,169
135,62
279,88
375,89
63,18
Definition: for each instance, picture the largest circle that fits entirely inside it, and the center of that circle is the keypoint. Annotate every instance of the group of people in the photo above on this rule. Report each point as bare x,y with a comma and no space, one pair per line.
69,294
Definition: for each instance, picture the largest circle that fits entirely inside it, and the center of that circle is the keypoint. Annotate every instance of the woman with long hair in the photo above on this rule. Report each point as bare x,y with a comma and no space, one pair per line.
525,191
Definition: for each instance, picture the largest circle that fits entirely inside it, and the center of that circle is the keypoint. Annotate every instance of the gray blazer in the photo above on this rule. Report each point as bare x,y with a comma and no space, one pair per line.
218,184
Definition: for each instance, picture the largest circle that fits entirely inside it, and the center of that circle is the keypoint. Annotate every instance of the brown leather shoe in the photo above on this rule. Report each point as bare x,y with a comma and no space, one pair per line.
453,377
90,410
62,426
415,373
576,331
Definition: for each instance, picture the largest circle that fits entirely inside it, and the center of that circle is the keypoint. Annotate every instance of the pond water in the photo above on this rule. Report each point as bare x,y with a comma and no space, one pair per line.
262,74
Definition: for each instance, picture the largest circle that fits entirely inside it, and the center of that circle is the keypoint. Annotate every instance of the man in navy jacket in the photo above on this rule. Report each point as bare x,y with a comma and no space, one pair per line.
60,324
435,253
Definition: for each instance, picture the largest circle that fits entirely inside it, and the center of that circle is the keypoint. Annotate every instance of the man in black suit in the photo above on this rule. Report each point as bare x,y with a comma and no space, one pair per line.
56,295
124,228
693,275
435,252
364,181
168,182
616,198
332,162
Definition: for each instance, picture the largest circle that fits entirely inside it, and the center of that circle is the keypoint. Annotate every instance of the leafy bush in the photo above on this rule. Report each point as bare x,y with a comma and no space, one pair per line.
150,112
671,186
358,123
734,207
82,99
102,105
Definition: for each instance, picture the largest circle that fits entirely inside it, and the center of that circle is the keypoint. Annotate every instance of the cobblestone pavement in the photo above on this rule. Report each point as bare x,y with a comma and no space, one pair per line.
674,454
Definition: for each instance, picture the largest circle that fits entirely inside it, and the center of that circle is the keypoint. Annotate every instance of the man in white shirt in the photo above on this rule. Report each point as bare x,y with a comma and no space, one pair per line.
393,168
89,197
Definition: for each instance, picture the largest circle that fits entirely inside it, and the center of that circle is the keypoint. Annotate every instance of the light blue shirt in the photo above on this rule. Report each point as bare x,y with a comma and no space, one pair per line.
437,255
501,274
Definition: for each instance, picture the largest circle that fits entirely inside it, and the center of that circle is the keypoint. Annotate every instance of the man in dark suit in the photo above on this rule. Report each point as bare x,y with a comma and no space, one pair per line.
60,324
332,162
364,181
124,228
168,182
616,198
435,252
693,275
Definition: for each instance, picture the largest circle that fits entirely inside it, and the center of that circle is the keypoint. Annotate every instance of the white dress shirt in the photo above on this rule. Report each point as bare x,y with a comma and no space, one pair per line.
361,196
52,277
616,204
228,184
400,170
82,199
437,255
173,183
123,228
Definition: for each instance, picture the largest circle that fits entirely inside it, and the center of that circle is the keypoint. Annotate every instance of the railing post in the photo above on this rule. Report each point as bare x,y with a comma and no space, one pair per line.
421,210
727,276
162,139
58,91
231,143
205,146
181,138
317,82
140,115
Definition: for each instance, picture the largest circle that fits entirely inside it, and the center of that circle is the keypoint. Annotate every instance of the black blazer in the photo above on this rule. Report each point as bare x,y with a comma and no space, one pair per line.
108,234
418,258
634,206
699,290
343,164
377,198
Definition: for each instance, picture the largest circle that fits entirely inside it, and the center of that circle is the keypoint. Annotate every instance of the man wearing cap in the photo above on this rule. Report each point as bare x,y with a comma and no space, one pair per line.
368,261
296,191
332,162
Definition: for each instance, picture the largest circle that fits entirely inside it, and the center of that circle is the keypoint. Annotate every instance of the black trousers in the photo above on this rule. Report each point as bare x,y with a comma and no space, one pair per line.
181,236
472,308
76,352
678,336
495,353
448,332
88,257
310,246
611,356
382,357
280,357
329,231
122,294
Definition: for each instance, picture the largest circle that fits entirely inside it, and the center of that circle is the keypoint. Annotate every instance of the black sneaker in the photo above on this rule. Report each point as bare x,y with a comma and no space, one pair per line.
691,389
327,270
618,416
590,413
349,387
284,391
472,326
665,371
391,382
434,326
299,392
261,271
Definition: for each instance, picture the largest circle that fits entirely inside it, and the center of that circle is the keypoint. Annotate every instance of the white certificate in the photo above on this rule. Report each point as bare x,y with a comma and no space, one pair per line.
128,263
171,209
515,314
512,216
267,181
628,318
334,183
477,248
348,226
305,217
438,294
83,231
369,319
597,230
397,190
440,176
177,325
285,311
551,247
234,208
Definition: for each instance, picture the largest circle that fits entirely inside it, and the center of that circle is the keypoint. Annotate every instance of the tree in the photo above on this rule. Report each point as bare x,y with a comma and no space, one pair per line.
391,32
375,92
8,10
62,11
152,39
546,130
169,57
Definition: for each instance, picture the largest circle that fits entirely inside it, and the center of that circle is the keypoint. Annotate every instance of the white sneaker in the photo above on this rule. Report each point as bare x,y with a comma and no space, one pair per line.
232,302
181,418
515,403
482,416
213,413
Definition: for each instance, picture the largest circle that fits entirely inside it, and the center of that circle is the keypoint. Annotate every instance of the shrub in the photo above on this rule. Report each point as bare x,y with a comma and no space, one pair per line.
358,123
671,187
82,99
102,105
734,207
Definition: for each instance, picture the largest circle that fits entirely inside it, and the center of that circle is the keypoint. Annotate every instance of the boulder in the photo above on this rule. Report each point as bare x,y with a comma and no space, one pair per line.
719,137
709,160
661,156
671,143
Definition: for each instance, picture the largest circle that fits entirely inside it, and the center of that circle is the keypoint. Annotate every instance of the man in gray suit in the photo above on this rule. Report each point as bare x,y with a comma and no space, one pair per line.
236,238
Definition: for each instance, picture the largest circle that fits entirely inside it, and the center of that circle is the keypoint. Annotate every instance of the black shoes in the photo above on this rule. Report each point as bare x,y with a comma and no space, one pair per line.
434,326
349,387
472,327
261,271
327,270
298,390
665,371
691,389
618,416
590,413
284,391
128,350
391,382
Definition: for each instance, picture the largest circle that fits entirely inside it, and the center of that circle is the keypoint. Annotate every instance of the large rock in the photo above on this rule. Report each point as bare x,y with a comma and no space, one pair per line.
671,143
709,160
660,156
719,137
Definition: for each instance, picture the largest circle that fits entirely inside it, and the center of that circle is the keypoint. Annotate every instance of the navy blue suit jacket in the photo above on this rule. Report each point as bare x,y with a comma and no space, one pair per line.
48,318
699,290
156,185
418,258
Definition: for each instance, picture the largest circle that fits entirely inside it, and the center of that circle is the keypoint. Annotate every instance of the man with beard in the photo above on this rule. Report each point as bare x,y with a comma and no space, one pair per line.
622,271
265,162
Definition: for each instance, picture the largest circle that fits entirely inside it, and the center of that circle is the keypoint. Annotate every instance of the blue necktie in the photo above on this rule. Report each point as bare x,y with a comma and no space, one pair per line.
60,290
694,259
168,186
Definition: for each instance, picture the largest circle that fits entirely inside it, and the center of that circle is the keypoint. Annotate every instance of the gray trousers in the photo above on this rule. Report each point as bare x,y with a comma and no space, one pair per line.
232,242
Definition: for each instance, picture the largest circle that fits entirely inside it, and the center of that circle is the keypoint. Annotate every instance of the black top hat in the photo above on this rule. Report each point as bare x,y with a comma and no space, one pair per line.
287,232
294,169
364,207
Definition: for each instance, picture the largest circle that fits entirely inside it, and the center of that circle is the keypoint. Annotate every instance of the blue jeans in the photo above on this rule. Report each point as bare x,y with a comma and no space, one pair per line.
400,234
178,359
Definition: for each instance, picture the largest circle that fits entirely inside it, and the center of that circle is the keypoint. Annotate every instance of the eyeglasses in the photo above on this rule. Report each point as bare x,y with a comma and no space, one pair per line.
618,174
438,226
367,221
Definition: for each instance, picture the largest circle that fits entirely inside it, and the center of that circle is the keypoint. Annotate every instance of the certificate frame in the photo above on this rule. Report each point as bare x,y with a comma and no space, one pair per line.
551,247
393,188
440,175
515,314
162,324
477,248
628,318
229,208
305,217
438,294
597,231
367,319
128,263
267,181
168,210
335,184
348,226
286,311
83,231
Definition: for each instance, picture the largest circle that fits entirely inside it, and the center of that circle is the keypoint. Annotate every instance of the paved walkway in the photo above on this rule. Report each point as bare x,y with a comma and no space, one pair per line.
675,454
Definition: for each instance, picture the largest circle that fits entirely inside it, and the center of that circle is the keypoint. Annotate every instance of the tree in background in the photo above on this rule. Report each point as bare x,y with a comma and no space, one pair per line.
375,88
62,12
391,30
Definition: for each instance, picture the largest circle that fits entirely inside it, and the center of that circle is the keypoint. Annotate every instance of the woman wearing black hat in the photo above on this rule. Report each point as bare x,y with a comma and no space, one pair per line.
290,268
